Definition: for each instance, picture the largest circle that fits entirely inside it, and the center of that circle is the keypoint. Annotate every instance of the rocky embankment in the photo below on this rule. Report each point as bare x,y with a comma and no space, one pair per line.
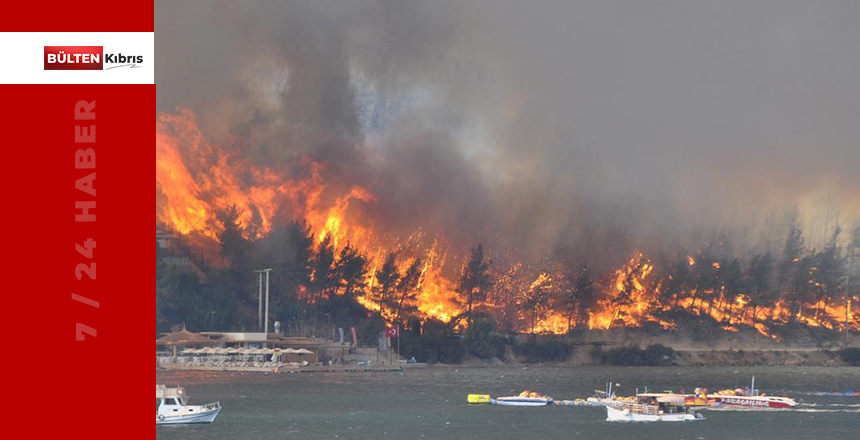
759,357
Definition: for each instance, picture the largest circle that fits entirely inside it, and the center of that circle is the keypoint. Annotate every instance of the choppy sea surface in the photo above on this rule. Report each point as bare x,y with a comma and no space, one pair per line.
430,403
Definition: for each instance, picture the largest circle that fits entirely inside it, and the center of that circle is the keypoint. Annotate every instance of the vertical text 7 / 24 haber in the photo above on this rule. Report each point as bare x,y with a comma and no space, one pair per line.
85,159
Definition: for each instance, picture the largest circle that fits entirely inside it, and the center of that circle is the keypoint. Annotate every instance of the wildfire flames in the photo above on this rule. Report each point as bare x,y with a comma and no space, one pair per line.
196,179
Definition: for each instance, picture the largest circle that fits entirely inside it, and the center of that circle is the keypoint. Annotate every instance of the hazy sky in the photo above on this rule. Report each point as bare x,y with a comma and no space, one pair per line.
554,126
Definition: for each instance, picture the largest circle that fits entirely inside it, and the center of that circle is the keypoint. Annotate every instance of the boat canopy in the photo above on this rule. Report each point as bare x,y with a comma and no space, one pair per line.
665,398
165,392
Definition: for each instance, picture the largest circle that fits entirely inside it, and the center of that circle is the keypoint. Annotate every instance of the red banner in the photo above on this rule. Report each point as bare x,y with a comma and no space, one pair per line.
75,231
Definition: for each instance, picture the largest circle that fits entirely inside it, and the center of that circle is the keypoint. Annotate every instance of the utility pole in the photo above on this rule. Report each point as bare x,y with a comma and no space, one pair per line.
266,328
260,299
847,309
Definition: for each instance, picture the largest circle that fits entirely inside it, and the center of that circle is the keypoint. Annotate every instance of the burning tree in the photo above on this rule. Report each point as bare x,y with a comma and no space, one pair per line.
351,271
538,297
474,282
852,284
324,277
579,297
759,280
235,248
407,291
386,282
827,273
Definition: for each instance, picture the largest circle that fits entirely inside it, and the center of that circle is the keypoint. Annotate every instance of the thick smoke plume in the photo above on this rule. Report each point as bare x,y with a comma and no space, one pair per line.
572,129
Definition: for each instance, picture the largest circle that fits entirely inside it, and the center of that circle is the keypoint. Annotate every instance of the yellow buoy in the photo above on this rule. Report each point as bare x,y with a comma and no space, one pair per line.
479,398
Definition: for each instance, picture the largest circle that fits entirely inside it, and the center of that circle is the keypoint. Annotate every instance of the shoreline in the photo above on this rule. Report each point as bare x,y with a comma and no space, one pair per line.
684,358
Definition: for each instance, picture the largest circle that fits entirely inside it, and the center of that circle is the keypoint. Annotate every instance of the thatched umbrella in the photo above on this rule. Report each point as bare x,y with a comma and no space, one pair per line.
183,338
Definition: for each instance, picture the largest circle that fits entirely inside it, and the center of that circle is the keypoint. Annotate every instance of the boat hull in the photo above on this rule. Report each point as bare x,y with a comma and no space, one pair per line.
202,418
598,401
522,401
620,415
752,402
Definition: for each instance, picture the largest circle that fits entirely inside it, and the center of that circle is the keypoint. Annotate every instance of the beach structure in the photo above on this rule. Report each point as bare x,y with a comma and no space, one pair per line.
188,350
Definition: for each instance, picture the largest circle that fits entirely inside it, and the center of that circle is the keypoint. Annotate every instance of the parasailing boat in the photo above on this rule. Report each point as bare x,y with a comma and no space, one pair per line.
749,398
734,399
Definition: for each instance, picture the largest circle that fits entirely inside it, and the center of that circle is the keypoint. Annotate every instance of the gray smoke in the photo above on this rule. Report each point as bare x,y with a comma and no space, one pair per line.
580,129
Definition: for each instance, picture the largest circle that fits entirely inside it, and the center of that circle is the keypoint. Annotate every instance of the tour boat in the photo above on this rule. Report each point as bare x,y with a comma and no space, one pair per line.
172,408
651,408
526,398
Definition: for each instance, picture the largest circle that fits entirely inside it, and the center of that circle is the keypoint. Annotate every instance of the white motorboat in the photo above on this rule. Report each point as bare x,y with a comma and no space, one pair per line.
526,398
650,408
601,397
172,408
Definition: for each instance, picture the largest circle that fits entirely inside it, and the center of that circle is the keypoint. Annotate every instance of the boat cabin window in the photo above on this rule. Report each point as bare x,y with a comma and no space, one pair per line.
170,401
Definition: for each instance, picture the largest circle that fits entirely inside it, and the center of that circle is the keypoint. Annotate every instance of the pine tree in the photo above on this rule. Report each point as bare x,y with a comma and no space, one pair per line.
324,276
291,250
234,246
852,257
351,270
760,283
407,290
827,272
474,282
386,282
580,296
794,271
538,295
852,279
731,280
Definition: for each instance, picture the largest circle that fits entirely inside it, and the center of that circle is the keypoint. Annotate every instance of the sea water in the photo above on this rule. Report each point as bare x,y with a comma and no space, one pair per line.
430,403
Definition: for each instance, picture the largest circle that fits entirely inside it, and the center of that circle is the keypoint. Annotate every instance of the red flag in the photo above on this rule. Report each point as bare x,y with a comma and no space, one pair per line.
391,332
354,336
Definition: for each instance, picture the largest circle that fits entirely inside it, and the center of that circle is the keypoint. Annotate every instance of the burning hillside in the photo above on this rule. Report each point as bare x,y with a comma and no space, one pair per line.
196,180
616,175
413,275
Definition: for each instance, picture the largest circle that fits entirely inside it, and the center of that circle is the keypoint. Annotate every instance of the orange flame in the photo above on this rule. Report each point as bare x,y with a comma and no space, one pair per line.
196,179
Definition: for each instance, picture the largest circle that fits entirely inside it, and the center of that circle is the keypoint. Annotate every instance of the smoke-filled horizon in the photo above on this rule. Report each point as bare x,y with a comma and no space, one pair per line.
580,129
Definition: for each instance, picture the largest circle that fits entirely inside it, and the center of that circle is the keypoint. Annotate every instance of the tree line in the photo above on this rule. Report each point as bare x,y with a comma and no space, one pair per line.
312,280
